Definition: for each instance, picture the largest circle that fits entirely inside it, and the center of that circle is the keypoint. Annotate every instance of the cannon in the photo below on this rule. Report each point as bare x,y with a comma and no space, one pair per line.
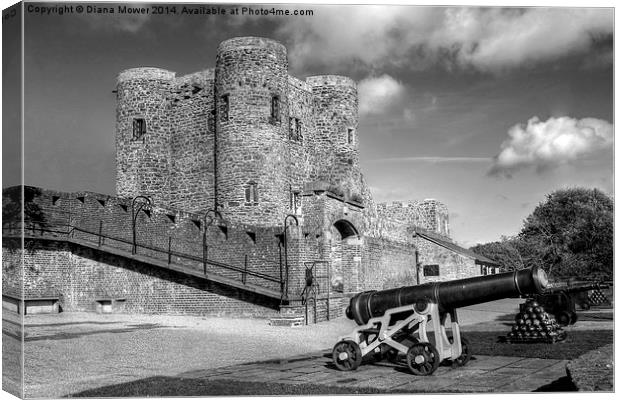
560,298
393,323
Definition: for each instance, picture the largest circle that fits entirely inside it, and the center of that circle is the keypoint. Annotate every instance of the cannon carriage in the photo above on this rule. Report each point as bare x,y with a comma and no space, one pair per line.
398,324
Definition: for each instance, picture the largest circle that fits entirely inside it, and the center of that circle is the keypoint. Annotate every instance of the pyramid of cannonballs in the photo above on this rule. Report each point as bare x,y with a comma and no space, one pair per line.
596,298
534,325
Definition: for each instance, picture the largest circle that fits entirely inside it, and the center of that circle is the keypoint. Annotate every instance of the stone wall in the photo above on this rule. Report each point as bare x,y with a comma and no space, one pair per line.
428,214
210,136
452,265
336,116
387,264
252,74
80,277
192,166
142,163
255,249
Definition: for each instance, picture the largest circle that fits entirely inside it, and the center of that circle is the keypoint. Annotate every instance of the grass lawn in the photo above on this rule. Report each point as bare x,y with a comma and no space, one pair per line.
576,344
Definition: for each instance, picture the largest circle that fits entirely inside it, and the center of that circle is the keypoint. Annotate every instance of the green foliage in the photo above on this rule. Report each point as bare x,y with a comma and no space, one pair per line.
12,205
505,252
571,234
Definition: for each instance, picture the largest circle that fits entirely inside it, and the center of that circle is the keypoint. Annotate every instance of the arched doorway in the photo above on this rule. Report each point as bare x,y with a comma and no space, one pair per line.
345,256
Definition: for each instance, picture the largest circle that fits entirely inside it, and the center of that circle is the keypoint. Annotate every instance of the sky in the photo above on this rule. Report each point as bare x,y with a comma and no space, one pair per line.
484,109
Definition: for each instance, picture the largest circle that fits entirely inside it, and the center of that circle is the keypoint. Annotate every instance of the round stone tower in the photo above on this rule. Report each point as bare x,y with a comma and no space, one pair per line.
143,133
336,114
251,90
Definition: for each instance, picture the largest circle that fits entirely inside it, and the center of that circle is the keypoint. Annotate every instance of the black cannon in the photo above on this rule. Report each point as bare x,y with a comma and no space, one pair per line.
393,323
560,299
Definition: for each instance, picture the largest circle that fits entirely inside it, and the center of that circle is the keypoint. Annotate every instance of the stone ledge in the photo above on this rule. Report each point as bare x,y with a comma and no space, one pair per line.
594,370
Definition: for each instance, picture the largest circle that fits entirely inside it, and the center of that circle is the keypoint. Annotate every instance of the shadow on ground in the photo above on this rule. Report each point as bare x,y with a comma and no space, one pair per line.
163,386
74,335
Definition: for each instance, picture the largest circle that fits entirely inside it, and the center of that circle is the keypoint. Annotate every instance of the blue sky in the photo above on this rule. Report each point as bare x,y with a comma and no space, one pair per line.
484,109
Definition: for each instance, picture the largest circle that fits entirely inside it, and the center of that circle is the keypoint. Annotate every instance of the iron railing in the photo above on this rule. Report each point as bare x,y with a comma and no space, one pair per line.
42,229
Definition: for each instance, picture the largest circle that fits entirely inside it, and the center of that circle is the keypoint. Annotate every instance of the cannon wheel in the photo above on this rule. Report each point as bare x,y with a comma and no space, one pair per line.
564,318
347,355
422,359
573,317
465,352
394,356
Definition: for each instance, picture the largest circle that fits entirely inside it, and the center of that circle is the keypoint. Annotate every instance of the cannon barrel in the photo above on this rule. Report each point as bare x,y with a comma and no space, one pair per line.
447,295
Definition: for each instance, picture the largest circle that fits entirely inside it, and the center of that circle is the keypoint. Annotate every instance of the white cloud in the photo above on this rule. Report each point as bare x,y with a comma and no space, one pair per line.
487,39
378,95
551,143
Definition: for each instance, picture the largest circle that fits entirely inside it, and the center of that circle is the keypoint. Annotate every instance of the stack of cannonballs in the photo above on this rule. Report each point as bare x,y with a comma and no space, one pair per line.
596,298
534,325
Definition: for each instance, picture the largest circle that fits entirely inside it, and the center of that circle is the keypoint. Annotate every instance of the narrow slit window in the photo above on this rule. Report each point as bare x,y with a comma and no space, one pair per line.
275,108
291,128
224,107
298,134
251,194
139,128
350,136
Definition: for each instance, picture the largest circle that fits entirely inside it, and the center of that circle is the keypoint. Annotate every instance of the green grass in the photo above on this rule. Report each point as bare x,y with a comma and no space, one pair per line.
576,344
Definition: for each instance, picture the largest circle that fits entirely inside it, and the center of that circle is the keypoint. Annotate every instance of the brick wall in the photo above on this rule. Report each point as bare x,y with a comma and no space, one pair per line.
81,276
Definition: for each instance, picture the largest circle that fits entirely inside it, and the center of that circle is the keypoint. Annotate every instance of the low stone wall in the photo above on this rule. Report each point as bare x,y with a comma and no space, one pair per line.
82,278
593,371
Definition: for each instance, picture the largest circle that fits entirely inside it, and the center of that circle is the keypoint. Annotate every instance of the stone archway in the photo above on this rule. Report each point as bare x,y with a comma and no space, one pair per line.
345,256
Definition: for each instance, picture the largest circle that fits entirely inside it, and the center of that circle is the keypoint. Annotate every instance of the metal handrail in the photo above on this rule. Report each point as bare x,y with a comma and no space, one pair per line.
72,229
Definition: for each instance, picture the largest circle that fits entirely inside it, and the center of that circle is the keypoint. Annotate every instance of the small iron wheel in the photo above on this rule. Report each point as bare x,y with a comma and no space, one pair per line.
573,317
465,352
347,355
422,359
564,318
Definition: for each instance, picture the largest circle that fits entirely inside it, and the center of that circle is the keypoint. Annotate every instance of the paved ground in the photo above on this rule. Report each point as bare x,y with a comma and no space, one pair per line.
70,353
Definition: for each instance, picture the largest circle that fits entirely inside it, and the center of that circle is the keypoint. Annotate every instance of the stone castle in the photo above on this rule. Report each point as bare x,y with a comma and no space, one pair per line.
245,136
258,149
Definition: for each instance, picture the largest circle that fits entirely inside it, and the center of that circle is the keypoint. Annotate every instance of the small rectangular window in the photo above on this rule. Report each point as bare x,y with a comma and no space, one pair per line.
298,134
431,270
251,194
275,108
224,107
350,136
291,128
139,128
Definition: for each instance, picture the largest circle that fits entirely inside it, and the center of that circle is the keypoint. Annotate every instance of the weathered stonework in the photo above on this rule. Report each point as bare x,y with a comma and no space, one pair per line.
258,145
212,134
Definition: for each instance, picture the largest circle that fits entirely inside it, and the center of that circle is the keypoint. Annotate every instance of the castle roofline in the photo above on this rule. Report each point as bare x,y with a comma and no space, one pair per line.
145,73
331,80
250,41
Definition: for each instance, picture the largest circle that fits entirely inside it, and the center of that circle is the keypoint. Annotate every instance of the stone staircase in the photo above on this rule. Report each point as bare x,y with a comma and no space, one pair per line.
289,316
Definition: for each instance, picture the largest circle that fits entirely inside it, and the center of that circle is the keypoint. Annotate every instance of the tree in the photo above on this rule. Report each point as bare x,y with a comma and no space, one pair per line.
12,205
571,234
505,252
